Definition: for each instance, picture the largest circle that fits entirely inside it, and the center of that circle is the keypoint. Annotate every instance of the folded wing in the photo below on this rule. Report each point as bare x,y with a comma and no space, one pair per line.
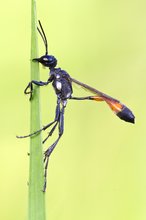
116,106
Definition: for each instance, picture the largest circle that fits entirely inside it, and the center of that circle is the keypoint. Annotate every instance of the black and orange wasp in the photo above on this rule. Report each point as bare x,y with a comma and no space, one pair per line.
62,83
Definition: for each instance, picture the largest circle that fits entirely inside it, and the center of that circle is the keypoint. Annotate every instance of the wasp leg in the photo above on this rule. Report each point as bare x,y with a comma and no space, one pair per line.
30,86
52,147
47,126
83,98
38,83
50,133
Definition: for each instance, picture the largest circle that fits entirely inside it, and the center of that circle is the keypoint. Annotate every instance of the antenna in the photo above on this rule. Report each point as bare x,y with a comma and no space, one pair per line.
42,33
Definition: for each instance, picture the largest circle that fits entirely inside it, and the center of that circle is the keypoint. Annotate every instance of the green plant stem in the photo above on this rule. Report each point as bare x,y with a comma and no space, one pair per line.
36,170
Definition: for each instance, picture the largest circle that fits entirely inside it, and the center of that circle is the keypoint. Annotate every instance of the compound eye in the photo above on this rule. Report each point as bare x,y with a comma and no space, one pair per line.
48,58
45,59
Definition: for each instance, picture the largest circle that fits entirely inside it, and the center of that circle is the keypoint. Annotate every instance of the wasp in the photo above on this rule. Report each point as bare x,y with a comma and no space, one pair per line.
62,83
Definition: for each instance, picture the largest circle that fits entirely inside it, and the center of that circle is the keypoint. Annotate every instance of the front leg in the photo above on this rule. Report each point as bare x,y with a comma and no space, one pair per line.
38,83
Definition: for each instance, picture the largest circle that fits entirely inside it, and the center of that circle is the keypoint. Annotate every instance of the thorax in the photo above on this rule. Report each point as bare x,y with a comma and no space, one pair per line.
61,83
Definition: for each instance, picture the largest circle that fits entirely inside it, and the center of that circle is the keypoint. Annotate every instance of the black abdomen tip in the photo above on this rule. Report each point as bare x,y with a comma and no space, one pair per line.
126,115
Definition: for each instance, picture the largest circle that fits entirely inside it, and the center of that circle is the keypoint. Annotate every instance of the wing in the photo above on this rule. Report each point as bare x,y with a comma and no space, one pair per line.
116,106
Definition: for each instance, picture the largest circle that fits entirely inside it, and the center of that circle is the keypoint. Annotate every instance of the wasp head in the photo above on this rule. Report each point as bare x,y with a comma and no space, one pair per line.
47,61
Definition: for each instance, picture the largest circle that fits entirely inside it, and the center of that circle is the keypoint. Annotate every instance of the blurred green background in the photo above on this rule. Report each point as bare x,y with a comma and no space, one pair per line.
98,170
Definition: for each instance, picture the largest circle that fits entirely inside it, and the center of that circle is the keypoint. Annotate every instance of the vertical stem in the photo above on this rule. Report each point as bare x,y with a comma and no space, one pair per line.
36,169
